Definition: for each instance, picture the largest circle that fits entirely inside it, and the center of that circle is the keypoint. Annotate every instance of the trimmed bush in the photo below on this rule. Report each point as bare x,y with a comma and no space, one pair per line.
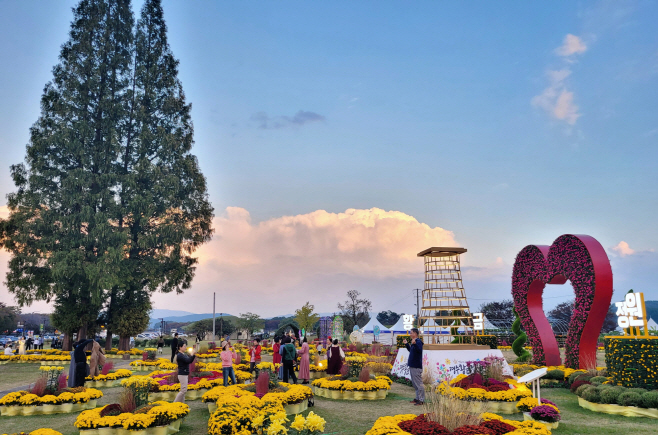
577,384
604,386
556,374
640,391
598,380
573,376
581,388
649,399
629,398
591,394
610,395
487,340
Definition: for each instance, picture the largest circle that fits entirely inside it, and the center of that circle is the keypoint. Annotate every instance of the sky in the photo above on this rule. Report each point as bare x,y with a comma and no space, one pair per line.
341,138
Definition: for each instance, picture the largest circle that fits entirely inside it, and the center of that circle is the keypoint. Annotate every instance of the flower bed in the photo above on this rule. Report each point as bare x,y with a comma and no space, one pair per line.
109,380
148,365
545,412
335,388
502,396
614,399
33,358
158,418
293,397
492,425
248,414
24,403
42,431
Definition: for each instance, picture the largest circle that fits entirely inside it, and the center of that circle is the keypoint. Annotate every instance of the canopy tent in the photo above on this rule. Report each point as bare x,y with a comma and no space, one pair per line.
385,335
442,329
651,324
398,328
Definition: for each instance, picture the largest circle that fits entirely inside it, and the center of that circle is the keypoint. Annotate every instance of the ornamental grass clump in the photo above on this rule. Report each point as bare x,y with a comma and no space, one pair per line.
577,384
364,375
262,384
451,412
107,367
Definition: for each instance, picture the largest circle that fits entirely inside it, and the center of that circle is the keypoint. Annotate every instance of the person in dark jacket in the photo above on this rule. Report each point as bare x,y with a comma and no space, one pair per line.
289,355
80,358
183,360
174,346
415,364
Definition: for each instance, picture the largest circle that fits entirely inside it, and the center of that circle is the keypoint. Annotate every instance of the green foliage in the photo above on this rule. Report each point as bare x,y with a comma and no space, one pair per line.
355,310
650,399
250,322
388,318
517,346
487,340
579,391
8,317
500,314
610,395
556,374
400,340
629,398
591,394
632,362
305,317
598,380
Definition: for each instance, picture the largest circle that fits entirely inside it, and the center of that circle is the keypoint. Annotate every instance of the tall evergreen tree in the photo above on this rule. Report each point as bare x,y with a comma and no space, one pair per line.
60,230
111,204
164,207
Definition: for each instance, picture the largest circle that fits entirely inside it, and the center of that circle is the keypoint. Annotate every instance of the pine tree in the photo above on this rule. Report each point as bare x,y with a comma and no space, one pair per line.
163,200
60,230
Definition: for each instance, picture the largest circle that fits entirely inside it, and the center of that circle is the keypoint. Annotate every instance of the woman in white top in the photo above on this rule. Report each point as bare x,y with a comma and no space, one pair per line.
21,346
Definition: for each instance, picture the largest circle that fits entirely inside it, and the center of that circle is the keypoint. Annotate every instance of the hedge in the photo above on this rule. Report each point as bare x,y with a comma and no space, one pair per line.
632,362
487,340
400,340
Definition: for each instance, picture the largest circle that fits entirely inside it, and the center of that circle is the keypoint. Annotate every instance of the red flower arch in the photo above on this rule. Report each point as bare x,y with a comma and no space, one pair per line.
577,258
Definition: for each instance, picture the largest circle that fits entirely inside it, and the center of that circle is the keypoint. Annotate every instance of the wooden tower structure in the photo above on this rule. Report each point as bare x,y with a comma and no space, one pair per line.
445,317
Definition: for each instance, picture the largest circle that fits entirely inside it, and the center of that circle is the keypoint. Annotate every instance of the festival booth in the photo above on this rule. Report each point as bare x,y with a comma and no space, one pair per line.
374,331
398,329
447,325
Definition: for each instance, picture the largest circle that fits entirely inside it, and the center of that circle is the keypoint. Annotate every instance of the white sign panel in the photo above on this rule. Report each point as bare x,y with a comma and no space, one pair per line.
408,322
446,364
478,321
630,312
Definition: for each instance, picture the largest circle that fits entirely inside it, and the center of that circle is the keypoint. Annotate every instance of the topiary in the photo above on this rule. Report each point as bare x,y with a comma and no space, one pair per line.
581,388
598,380
629,398
577,384
517,346
604,386
584,377
591,394
556,374
640,391
610,395
649,399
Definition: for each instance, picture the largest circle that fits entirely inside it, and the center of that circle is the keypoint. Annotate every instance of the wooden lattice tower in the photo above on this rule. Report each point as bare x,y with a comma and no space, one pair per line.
445,314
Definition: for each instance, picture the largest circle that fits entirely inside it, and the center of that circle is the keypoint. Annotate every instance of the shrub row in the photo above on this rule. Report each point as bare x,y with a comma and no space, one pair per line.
618,395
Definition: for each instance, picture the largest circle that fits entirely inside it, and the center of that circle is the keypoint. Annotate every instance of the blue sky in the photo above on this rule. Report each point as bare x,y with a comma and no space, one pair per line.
505,123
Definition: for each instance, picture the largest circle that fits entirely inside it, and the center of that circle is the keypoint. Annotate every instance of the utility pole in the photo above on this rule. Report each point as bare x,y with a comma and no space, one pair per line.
417,290
213,316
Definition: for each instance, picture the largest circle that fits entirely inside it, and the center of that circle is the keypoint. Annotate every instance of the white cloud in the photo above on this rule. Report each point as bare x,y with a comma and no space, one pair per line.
556,99
623,249
571,45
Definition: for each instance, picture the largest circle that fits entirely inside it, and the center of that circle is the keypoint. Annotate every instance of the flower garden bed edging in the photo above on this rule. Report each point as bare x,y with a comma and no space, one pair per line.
350,395
64,408
291,409
626,411
171,428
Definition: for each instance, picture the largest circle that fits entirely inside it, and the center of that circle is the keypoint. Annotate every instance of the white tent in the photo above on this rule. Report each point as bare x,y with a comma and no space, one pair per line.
651,324
398,328
385,335
442,329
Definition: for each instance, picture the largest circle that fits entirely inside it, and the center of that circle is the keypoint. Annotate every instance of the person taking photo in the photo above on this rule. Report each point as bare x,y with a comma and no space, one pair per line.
415,364
183,360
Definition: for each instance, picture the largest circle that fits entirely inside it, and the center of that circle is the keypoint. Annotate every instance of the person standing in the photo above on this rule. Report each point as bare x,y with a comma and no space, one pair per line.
415,364
160,344
227,356
183,362
80,359
276,356
304,362
335,357
254,356
289,357
21,346
174,346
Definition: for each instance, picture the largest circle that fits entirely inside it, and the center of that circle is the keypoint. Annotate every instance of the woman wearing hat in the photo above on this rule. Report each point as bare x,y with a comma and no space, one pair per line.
227,356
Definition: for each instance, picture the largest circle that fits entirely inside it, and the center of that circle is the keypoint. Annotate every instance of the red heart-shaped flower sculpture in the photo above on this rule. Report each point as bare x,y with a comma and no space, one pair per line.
582,260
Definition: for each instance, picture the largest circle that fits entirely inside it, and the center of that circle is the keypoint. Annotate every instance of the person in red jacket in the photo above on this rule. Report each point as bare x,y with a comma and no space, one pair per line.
254,356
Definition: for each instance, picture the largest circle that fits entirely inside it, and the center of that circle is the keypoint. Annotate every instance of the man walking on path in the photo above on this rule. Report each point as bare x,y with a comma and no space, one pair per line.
415,364
174,346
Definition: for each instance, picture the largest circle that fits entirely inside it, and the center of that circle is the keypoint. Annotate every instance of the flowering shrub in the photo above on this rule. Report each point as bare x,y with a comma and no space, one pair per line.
631,362
159,413
545,413
73,395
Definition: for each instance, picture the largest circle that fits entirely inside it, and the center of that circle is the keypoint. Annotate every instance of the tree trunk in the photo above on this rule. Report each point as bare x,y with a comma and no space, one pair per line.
66,342
124,343
82,333
108,340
